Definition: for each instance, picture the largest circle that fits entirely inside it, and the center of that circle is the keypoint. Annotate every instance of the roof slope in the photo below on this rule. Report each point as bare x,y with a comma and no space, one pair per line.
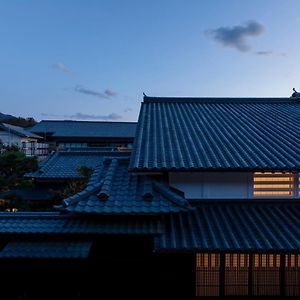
65,165
44,224
113,190
46,249
86,129
217,134
19,131
234,227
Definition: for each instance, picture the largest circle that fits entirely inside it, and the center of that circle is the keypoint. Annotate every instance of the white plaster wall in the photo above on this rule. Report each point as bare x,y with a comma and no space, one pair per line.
213,185
10,139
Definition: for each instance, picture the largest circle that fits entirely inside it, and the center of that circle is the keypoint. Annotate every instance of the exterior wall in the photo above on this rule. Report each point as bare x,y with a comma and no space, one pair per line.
29,146
213,185
10,139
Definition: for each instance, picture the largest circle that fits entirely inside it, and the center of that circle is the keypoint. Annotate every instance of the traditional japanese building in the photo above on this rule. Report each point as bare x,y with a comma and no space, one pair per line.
29,143
86,134
206,205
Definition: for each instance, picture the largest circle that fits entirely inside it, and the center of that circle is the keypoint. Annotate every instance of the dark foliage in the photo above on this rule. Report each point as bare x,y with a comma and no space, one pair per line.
13,165
75,186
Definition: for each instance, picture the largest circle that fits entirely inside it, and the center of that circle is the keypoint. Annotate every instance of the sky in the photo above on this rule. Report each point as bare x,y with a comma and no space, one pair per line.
94,59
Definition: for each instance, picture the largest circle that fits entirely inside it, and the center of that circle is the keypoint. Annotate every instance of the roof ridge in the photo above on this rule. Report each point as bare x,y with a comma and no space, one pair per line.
170,195
107,182
217,99
84,121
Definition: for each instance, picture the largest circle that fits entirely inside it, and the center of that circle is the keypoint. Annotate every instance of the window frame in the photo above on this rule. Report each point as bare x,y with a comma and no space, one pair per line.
294,189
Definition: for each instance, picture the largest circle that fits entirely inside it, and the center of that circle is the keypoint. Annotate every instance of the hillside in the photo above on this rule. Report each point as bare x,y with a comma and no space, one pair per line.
18,121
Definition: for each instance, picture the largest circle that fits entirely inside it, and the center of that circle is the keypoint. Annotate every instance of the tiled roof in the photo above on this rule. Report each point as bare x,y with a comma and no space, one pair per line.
234,227
217,134
46,249
65,165
86,129
45,224
19,131
113,190
30,193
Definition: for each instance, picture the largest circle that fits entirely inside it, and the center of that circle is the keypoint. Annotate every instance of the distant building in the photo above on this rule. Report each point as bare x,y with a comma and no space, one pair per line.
29,143
86,134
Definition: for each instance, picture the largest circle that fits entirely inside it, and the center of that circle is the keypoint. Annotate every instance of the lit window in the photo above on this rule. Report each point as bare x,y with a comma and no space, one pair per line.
273,184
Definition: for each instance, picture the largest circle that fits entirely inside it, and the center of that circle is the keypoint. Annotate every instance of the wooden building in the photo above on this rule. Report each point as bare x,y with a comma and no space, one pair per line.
86,134
207,205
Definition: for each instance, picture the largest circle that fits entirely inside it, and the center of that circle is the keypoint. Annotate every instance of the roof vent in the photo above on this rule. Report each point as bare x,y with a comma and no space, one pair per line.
295,94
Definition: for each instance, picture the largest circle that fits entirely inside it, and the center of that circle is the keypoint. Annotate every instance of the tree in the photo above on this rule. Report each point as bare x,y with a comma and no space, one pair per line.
13,165
74,186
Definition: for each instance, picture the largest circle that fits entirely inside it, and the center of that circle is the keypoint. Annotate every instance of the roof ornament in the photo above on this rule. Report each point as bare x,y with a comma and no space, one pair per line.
108,180
295,94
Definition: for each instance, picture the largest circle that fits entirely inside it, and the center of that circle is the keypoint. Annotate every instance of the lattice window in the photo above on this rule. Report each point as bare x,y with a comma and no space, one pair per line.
266,274
273,184
207,274
292,275
236,274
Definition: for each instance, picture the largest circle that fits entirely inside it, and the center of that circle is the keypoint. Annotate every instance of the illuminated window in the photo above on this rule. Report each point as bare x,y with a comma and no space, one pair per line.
273,184
292,274
236,274
207,274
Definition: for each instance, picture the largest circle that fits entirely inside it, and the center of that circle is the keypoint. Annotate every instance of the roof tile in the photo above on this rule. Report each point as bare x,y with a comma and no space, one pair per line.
217,134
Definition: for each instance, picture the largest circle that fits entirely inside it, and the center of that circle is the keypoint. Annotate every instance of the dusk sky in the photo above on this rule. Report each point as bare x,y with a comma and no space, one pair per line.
92,60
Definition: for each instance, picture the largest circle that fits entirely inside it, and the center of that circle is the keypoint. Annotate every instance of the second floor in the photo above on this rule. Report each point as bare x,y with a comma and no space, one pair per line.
236,185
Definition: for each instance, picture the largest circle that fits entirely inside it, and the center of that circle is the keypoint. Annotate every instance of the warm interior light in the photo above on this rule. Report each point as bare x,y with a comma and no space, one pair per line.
273,184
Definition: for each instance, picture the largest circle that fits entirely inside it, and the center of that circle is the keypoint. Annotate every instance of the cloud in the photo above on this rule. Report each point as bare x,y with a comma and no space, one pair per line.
236,37
107,94
264,53
63,68
81,116
128,109
110,93
49,115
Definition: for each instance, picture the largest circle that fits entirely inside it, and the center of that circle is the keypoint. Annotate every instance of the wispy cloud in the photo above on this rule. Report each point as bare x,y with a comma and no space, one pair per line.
63,68
81,116
50,115
128,109
110,93
264,53
236,36
107,94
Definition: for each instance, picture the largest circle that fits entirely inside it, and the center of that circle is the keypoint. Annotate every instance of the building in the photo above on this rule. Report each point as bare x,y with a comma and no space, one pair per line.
86,134
29,143
206,205
56,172
237,162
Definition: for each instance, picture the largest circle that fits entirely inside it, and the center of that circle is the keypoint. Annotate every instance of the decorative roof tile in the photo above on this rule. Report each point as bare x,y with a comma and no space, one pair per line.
113,190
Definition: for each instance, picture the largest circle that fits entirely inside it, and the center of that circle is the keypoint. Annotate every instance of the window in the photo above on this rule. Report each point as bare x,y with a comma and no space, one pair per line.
266,275
207,274
236,274
244,274
273,184
292,274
